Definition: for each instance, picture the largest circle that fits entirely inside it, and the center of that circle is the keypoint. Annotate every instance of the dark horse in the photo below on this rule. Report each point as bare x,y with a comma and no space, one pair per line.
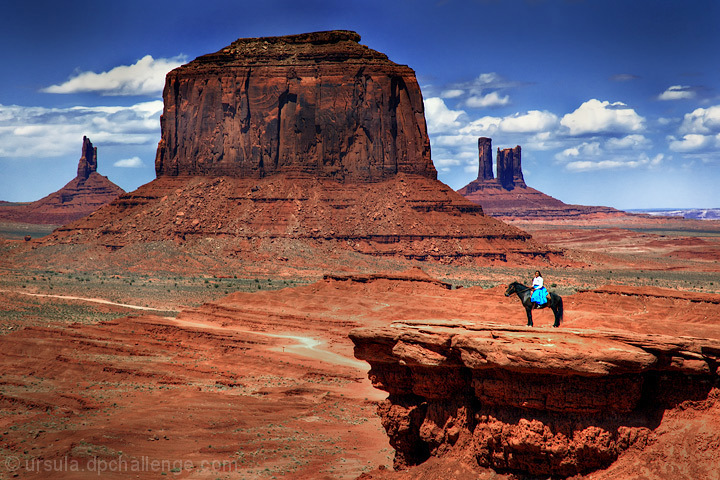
524,293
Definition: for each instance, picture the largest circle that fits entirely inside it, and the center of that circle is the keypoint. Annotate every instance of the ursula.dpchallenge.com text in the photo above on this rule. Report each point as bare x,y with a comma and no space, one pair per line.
120,464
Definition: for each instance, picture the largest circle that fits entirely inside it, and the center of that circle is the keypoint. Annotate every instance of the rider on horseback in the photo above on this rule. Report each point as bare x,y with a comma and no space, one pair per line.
540,294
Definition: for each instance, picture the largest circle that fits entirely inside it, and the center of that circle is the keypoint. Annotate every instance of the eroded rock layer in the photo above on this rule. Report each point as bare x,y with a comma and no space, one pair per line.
527,203
537,402
317,103
407,216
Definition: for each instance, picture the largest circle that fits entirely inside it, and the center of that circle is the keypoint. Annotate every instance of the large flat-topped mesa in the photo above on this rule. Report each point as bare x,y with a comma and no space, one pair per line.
317,104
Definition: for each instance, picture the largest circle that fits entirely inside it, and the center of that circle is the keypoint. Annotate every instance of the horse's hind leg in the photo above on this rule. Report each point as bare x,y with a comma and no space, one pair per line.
556,312
529,315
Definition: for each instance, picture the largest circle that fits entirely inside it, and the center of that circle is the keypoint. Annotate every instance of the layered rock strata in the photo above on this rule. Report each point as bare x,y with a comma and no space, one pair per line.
80,197
533,402
317,104
409,216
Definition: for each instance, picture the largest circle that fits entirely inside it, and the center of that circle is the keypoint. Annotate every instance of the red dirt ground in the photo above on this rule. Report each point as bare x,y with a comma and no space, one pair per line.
222,391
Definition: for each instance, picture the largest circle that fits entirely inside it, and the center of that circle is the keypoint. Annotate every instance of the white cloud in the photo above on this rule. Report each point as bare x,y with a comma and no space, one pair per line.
484,126
691,142
590,165
677,92
595,116
530,122
133,162
145,77
458,141
612,154
452,93
487,78
702,121
634,141
492,99
585,149
624,77
440,118
37,132
446,162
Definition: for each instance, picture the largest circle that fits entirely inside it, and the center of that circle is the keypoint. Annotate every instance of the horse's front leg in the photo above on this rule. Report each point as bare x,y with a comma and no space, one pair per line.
529,315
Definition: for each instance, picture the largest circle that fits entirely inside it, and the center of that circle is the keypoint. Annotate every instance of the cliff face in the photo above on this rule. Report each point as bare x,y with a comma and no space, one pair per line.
80,197
535,402
509,167
317,104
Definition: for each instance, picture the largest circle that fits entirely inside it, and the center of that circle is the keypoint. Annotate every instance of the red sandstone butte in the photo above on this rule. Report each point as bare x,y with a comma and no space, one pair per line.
317,103
84,194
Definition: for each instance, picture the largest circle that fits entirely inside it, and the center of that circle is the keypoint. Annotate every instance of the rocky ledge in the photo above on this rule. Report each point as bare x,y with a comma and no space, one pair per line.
528,401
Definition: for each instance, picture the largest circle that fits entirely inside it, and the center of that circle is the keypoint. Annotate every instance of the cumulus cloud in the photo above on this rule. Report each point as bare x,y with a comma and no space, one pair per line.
133,162
677,92
702,121
595,117
585,149
38,132
483,126
146,77
615,154
692,142
484,91
531,122
634,141
440,118
492,99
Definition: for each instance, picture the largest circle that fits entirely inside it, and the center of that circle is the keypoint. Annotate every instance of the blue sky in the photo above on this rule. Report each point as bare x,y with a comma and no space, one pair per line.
614,102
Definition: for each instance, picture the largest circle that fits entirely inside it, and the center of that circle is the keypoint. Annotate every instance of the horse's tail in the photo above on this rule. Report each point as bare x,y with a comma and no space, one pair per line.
560,309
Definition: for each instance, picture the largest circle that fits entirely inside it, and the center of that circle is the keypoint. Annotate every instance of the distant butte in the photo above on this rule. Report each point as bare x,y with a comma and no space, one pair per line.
84,194
509,197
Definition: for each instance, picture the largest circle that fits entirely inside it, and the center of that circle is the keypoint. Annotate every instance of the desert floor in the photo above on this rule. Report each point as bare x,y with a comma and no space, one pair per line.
151,374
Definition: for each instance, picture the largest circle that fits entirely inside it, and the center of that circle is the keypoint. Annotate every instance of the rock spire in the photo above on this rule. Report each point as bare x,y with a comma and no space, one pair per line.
88,160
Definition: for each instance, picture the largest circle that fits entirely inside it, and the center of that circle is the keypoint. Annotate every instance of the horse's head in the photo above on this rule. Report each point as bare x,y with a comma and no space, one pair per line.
511,289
